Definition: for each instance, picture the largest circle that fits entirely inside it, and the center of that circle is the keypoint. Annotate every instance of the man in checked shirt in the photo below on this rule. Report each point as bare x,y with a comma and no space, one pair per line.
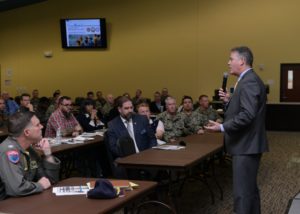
63,118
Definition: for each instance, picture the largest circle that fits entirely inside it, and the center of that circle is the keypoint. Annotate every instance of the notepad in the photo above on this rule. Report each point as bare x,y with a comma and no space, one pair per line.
88,134
82,138
70,190
169,147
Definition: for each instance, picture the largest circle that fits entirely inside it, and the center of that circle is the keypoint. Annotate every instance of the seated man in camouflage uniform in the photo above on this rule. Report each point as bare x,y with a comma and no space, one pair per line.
173,121
186,111
207,111
100,101
109,105
196,123
193,121
22,170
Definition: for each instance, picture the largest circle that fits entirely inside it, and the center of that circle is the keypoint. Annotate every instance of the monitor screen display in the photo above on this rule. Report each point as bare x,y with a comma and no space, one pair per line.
83,33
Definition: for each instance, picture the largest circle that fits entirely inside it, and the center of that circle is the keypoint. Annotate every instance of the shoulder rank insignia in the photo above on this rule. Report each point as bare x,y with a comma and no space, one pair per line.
13,156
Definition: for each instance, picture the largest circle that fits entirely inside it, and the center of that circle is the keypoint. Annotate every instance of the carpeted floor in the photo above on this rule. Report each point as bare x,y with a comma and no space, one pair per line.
278,180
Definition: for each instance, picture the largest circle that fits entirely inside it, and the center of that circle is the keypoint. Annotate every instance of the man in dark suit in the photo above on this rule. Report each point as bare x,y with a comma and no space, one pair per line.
244,129
157,106
130,125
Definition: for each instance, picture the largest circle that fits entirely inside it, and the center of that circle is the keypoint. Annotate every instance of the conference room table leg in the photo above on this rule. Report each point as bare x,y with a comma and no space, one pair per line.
171,183
203,178
200,172
215,178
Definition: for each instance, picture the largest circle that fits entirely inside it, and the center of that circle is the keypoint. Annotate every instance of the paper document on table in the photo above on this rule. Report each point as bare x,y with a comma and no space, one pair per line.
66,140
82,138
88,134
169,147
100,132
71,141
70,190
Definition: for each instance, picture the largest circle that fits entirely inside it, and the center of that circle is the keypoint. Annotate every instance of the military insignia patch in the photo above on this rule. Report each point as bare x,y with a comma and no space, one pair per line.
33,165
13,156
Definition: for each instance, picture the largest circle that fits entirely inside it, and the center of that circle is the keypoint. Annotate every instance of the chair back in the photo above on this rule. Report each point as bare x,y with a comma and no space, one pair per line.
126,146
117,171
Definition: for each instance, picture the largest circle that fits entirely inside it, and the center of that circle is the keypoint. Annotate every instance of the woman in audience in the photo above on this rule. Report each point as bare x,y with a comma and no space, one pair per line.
90,163
88,117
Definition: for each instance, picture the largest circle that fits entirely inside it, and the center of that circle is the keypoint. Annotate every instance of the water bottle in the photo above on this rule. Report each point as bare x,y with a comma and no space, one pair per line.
58,136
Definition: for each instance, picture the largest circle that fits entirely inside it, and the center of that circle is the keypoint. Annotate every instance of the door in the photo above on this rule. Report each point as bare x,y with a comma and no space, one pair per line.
290,82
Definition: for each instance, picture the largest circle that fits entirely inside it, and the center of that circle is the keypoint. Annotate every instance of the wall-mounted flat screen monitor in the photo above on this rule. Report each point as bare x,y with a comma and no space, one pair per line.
83,33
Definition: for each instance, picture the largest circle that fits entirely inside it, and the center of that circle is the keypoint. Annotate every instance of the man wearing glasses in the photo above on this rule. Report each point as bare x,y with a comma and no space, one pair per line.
63,119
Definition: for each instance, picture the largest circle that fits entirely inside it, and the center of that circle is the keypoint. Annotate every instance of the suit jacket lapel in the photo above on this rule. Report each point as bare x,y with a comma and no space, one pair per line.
122,126
134,124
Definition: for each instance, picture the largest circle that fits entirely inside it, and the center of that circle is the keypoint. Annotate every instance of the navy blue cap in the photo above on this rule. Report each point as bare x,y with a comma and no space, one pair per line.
103,190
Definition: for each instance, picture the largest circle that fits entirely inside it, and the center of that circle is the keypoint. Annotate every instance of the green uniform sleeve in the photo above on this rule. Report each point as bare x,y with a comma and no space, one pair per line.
52,170
174,128
188,128
14,181
46,169
198,121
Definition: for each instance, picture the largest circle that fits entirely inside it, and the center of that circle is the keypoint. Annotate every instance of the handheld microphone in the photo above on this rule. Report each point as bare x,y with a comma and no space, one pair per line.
224,84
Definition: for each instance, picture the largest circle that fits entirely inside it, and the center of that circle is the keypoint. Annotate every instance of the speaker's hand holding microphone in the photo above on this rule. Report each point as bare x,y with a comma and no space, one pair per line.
223,94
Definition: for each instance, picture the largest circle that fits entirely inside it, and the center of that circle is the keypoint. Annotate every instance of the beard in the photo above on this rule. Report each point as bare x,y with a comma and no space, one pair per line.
128,116
67,114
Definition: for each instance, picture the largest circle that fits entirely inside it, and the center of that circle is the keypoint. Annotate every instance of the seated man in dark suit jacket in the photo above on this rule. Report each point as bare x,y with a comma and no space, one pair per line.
131,125
157,106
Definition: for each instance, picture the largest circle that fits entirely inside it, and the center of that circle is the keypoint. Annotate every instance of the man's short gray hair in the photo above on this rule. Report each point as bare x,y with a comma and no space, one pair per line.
169,99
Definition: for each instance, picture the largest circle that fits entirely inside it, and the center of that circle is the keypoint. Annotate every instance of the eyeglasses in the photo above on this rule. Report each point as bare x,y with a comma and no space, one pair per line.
67,104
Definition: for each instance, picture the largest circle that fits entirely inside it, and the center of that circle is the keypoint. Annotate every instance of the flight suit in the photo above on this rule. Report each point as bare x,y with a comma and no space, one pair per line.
21,169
